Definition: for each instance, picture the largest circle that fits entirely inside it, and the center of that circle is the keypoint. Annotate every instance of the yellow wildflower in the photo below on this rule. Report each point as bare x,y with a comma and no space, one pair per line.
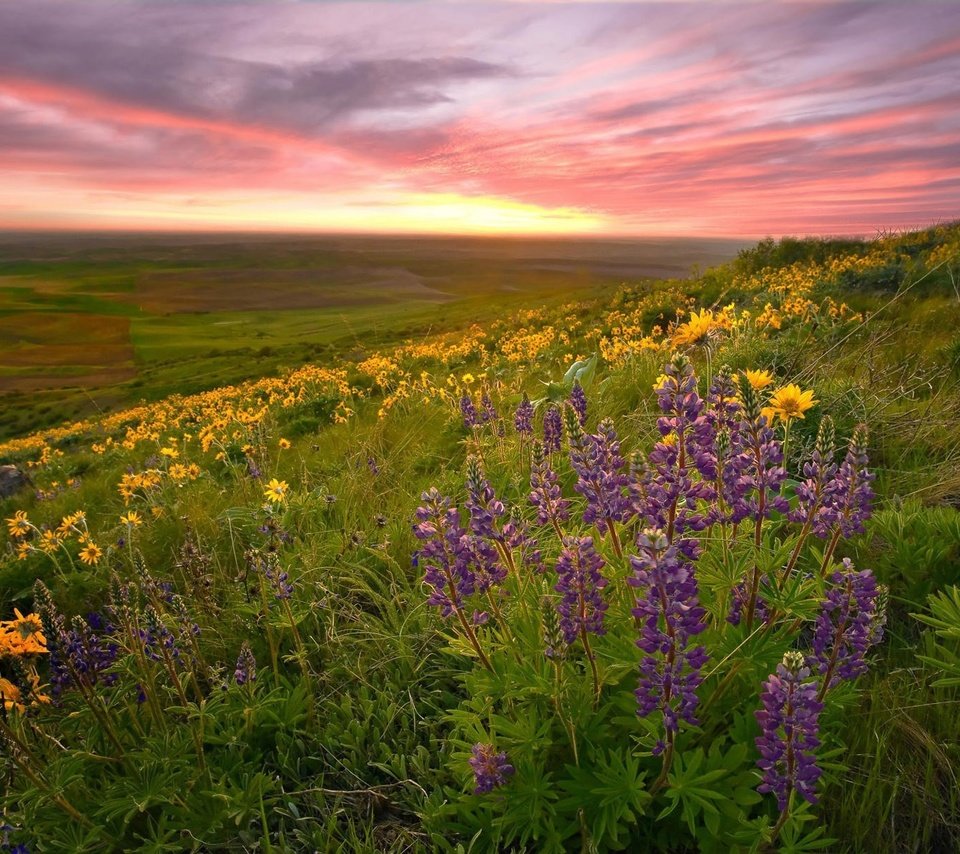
276,491
91,553
18,525
284,444
132,518
759,379
789,402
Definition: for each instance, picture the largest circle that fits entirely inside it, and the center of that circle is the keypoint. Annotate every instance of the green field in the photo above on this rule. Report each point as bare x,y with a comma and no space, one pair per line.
88,323
263,630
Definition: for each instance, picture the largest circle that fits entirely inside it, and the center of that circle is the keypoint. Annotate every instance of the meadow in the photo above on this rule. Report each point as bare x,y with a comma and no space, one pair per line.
527,559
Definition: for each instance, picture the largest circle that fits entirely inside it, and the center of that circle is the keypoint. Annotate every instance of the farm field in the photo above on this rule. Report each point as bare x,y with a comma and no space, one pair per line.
482,545
91,322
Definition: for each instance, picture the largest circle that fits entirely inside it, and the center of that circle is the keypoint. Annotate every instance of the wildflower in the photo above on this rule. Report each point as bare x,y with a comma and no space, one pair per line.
283,444
490,769
22,635
816,507
699,329
580,583
545,492
578,401
851,492
132,519
482,503
669,614
171,453
601,472
788,738
849,623
276,491
91,553
523,417
468,379
447,565
552,429
789,402
18,525
471,418
246,669
759,380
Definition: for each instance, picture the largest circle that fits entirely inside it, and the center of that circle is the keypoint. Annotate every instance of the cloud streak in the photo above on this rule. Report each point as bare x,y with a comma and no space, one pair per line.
761,118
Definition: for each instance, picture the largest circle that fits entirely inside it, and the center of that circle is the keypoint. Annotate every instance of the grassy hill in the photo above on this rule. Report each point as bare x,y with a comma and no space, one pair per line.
261,631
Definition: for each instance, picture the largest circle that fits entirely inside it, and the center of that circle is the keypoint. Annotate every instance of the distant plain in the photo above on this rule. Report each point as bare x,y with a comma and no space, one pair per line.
92,322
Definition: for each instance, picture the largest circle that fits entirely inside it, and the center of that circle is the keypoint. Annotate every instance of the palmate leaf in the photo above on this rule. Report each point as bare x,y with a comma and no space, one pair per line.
611,794
944,619
694,788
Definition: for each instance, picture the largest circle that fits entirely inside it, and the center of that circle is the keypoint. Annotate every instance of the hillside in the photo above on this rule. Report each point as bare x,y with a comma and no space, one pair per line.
242,619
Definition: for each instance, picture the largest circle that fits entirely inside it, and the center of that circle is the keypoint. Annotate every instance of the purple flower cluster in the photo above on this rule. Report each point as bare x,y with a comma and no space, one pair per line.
545,495
490,768
578,402
816,506
482,503
849,623
788,723
580,583
447,565
671,491
523,417
602,476
246,669
668,613
81,655
753,472
740,597
852,488
471,418
552,430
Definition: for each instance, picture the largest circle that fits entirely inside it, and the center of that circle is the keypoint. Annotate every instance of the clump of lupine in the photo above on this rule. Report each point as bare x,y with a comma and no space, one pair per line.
682,578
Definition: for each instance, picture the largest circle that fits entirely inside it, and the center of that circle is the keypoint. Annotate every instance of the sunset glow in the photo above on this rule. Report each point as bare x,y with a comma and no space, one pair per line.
727,119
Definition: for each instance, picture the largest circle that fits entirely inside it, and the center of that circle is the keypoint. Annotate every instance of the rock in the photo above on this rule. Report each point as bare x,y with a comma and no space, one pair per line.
12,480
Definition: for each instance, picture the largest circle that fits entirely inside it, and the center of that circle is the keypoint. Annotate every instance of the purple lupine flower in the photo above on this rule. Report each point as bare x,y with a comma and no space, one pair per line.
851,489
523,417
671,493
816,505
849,623
482,503
545,495
246,669
158,641
373,465
471,418
580,583
490,768
447,564
669,614
740,596
517,536
81,655
578,402
483,561
724,407
488,412
552,429
788,723
601,472
253,470
754,474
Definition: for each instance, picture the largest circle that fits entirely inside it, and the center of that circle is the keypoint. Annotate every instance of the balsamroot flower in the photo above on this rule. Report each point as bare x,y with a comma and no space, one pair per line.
552,429
578,402
447,568
788,723
580,583
490,768
668,613
523,417
788,403
850,622
545,495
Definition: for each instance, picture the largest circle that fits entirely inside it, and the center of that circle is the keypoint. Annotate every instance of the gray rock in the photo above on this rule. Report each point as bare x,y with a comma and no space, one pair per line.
12,480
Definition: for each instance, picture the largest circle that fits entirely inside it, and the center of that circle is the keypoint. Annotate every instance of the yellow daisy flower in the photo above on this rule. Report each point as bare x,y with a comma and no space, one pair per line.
90,554
789,402
276,491
759,379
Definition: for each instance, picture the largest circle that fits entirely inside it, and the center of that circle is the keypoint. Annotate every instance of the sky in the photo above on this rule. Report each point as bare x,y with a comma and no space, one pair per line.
712,119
